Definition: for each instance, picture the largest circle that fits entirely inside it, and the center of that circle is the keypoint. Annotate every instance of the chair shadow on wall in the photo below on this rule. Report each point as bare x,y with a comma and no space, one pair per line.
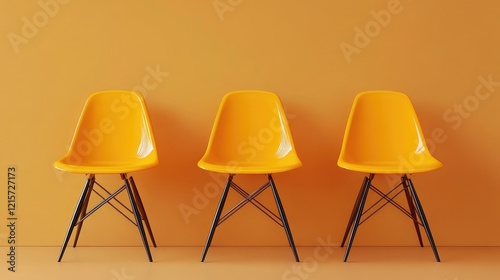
171,184
177,147
316,189
177,150
464,167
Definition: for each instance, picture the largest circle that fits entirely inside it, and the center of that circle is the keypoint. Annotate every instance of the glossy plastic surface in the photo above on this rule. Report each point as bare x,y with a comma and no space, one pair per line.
113,135
383,135
250,136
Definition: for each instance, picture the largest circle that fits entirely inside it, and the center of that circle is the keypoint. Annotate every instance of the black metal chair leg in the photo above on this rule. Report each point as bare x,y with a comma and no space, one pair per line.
353,213
83,212
218,213
142,210
412,211
76,214
421,213
357,218
137,216
281,210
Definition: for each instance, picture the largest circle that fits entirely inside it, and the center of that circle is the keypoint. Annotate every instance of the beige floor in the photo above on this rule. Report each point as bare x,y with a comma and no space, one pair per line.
399,263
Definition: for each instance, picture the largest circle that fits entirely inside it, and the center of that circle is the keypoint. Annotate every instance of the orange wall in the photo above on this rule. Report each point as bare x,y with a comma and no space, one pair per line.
185,55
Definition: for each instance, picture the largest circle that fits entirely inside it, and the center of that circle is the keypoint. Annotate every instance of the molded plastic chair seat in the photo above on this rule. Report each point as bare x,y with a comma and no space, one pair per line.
102,167
250,136
113,136
387,167
249,168
383,136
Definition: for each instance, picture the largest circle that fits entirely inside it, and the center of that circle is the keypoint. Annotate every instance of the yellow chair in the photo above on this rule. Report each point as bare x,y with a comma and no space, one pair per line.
113,136
383,136
250,136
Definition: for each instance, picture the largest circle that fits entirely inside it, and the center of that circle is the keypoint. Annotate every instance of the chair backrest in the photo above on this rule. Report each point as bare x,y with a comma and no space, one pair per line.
250,135
383,135
114,129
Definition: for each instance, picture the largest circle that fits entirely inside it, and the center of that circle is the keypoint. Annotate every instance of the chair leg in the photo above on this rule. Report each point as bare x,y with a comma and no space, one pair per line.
353,213
281,210
412,211
218,213
421,213
137,215
76,214
359,212
142,210
82,213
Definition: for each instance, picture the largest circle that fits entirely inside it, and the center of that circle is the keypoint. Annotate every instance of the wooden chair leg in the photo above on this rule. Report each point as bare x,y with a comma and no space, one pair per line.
353,213
281,210
142,210
413,212
420,211
76,214
359,212
218,213
137,216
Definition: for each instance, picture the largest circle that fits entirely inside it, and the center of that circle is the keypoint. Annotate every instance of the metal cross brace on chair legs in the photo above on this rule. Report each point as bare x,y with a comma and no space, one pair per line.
281,220
416,212
81,214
